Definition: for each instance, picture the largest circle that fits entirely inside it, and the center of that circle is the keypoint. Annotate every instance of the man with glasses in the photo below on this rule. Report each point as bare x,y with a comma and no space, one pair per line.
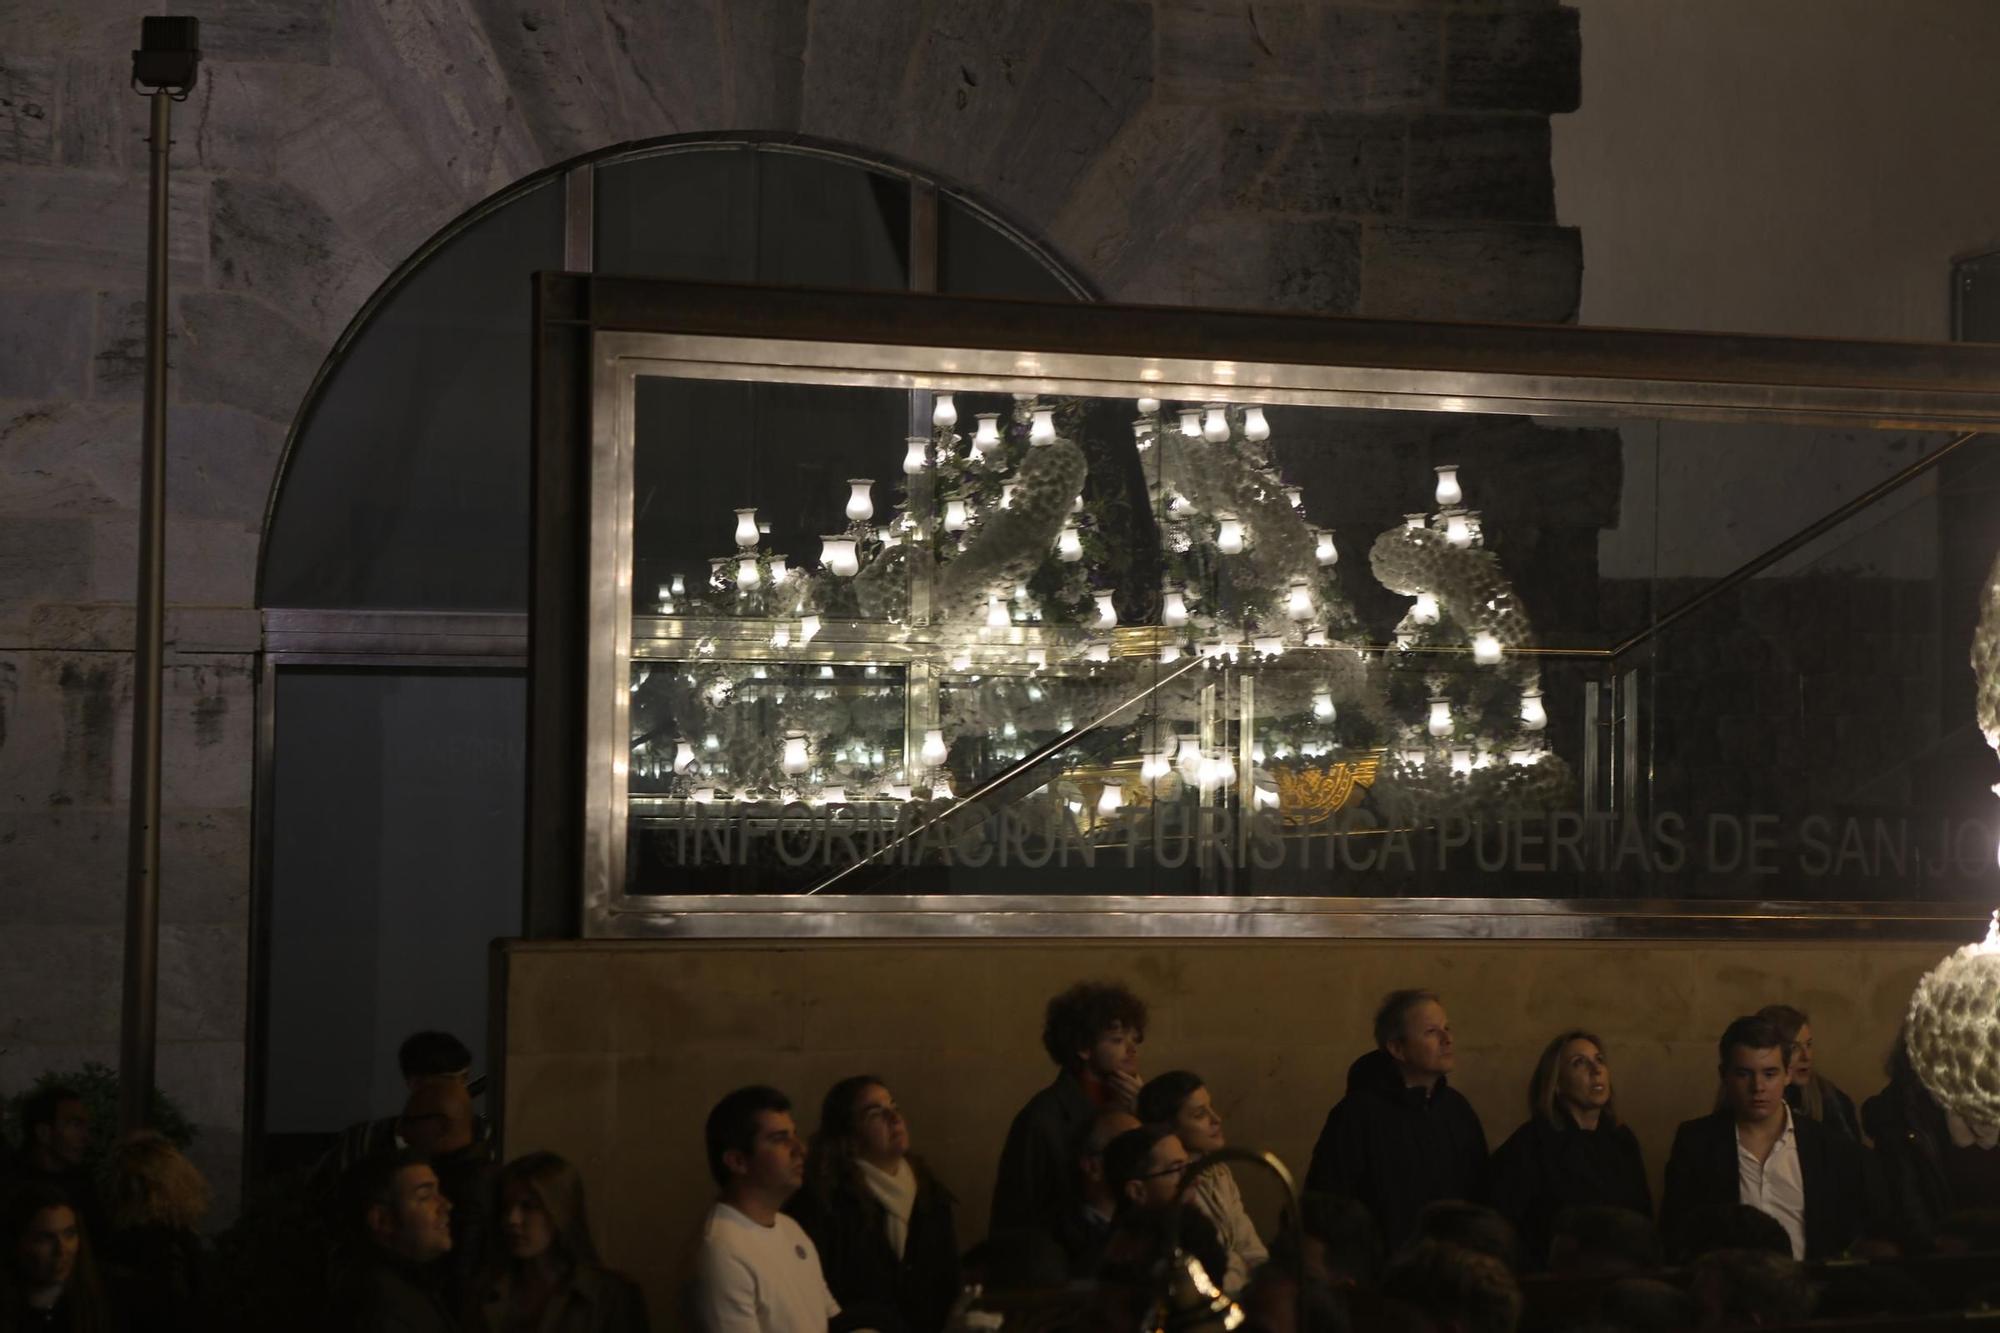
1145,1166
757,1271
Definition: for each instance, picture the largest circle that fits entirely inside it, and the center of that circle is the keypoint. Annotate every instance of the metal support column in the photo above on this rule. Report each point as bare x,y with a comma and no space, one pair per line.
140,1013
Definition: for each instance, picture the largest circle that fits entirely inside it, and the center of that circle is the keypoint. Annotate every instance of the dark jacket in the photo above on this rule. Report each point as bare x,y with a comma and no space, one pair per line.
1911,1140
1037,1181
388,1295
1702,1176
1542,1169
594,1300
158,1279
1394,1149
875,1289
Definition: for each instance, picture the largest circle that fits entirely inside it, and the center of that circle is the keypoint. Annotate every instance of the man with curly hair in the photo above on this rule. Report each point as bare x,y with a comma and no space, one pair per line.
1092,1032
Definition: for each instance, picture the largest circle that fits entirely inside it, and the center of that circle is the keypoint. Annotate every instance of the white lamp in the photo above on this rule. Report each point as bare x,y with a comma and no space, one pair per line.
746,528
1142,435
778,571
1044,429
1107,614
1425,610
1149,407
1295,497
1110,799
679,586
1097,650
683,757
1299,602
1533,715
956,519
1173,608
1415,522
837,553
1440,721
1254,425
1215,423
1069,544
944,413
860,504
1456,530
795,761
1323,705
1268,645
808,627
1229,534
913,455
1449,492
934,749
1323,549
986,439
1190,758
747,576
1485,648
996,613
1315,638
1191,422
1461,760
1007,490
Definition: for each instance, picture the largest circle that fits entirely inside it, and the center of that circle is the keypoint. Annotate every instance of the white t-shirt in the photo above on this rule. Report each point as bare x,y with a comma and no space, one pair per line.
1776,1185
758,1279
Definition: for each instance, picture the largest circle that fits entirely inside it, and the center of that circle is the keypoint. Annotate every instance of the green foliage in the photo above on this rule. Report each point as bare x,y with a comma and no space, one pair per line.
97,1085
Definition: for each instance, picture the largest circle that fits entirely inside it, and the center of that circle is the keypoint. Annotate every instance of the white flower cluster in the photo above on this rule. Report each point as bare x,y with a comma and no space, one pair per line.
1007,545
1953,1030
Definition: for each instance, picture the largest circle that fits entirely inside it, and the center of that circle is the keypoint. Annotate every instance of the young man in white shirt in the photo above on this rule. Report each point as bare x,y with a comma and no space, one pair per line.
1752,1150
758,1271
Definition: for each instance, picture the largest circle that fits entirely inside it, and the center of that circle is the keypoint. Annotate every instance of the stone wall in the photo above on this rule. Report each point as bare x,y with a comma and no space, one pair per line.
615,1052
1383,158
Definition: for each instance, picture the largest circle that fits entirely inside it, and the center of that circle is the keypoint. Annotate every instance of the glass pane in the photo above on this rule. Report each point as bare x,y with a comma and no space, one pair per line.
679,215
822,223
1284,650
396,858
976,259
407,487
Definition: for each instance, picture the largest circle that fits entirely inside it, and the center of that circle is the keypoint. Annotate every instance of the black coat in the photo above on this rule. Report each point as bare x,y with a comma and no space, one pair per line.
158,1277
875,1289
1037,1183
1910,1136
1394,1148
1702,1175
1542,1169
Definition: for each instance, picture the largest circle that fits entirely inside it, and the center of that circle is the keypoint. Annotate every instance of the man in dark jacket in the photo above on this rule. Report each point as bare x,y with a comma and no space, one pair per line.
1753,1150
1092,1032
400,1284
1402,1137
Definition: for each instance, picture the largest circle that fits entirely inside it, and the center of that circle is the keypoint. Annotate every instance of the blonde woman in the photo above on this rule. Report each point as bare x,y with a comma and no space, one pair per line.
546,1277
1572,1151
153,1259
1810,1095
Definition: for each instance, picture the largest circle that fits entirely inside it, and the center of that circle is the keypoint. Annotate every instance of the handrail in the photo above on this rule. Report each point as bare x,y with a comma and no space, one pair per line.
1013,772
1825,523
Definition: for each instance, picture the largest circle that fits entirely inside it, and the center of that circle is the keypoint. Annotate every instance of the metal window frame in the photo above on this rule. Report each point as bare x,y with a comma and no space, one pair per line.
628,328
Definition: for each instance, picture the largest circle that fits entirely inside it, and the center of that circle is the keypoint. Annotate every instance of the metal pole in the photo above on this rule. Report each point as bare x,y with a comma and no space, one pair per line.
140,1014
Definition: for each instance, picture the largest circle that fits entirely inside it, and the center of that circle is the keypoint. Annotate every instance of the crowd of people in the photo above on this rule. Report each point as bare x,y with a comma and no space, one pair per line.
1106,1183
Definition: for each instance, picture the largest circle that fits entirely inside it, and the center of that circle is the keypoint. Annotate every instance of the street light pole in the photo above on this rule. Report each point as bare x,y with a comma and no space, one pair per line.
164,69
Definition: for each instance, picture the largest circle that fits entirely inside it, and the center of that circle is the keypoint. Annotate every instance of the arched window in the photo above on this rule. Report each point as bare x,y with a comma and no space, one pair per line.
404,484
391,746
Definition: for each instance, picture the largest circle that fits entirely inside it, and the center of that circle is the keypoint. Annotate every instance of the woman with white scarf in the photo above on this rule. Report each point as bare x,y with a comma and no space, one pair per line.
881,1222
1180,1101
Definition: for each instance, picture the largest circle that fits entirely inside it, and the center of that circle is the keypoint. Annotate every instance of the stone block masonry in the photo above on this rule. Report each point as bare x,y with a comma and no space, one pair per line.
1382,158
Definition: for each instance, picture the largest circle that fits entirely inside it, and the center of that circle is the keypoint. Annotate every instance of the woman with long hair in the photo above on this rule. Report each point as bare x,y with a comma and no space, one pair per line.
882,1223
155,1264
1810,1095
48,1280
1179,1101
545,1275
1572,1151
